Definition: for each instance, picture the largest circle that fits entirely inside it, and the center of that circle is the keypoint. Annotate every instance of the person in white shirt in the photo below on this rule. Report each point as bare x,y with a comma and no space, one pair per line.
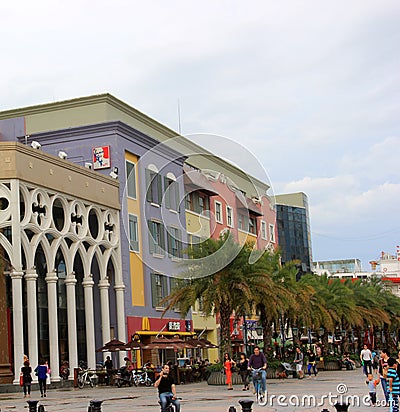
366,360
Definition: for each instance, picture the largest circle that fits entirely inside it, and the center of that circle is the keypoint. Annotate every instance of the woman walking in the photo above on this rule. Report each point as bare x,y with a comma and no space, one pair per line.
26,371
41,372
244,372
311,363
228,363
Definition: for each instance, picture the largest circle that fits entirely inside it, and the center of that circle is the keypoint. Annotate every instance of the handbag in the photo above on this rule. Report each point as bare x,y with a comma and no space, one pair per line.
21,380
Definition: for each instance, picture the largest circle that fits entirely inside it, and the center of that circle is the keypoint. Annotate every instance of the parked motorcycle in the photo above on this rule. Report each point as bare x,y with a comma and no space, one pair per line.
124,377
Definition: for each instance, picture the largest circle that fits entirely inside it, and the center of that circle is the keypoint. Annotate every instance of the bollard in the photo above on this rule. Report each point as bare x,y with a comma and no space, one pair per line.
32,405
95,406
341,407
232,409
246,405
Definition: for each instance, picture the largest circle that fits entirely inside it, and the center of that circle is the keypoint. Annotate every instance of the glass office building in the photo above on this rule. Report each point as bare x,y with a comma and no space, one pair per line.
294,235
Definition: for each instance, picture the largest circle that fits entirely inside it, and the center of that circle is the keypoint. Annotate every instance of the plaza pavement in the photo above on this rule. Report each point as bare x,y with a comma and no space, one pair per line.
200,397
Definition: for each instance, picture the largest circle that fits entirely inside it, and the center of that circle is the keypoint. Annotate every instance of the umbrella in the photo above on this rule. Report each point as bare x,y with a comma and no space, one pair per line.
114,345
165,343
201,343
134,345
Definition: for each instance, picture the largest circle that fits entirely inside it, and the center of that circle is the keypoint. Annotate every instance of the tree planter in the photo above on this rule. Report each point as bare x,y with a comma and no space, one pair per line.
218,378
272,373
332,366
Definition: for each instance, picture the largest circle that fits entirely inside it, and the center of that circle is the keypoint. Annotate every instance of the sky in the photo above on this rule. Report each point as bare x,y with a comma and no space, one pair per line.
310,89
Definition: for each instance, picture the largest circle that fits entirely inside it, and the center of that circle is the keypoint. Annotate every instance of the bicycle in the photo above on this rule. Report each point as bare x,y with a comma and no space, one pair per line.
141,378
257,383
86,377
170,406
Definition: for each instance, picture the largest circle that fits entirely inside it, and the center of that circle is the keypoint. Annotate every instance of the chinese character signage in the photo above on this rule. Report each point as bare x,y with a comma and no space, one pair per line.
101,157
172,326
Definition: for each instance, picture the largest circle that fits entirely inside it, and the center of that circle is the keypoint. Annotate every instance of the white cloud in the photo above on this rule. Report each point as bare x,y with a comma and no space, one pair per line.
311,88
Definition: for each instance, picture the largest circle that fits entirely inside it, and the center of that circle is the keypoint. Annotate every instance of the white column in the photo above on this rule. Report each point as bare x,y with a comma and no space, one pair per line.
119,297
105,309
18,325
89,318
51,280
70,283
31,302
16,276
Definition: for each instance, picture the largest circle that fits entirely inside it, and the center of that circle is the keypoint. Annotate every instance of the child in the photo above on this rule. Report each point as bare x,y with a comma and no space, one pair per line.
393,384
372,388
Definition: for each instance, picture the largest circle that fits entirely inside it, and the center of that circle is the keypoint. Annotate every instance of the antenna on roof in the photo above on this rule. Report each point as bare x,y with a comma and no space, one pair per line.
179,117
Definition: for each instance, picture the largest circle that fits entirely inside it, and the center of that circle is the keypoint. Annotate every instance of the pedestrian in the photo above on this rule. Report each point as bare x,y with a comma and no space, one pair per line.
348,362
243,370
108,364
258,361
41,372
372,384
228,365
298,360
48,373
26,372
393,383
366,360
383,370
375,361
311,363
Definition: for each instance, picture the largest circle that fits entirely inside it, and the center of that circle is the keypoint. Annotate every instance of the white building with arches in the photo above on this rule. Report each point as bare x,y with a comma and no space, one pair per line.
60,261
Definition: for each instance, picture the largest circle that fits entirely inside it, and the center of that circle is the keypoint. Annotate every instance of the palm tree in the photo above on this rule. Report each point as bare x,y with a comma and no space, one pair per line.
223,288
279,298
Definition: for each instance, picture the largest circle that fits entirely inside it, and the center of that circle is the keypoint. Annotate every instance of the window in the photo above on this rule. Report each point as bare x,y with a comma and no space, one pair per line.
218,212
171,194
197,202
174,237
272,233
130,179
264,230
252,225
194,242
241,221
133,233
156,237
154,187
229,216
159,288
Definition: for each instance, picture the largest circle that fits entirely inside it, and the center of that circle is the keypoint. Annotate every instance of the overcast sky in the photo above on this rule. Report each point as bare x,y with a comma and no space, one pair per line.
311,88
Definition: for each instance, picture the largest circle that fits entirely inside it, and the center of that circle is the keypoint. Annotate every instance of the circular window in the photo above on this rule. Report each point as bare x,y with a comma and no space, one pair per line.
4,203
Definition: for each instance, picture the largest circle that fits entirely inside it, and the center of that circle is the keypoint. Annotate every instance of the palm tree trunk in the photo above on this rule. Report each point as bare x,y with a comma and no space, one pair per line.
266,325
225,335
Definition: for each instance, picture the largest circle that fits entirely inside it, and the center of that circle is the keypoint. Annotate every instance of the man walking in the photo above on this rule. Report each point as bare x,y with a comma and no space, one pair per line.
366,360
298,360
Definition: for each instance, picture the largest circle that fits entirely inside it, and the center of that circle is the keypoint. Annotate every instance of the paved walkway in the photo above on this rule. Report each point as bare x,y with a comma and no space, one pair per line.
307,395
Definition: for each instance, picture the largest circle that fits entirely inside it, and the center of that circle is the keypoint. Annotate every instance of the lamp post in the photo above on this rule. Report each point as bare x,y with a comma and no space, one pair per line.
245,334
